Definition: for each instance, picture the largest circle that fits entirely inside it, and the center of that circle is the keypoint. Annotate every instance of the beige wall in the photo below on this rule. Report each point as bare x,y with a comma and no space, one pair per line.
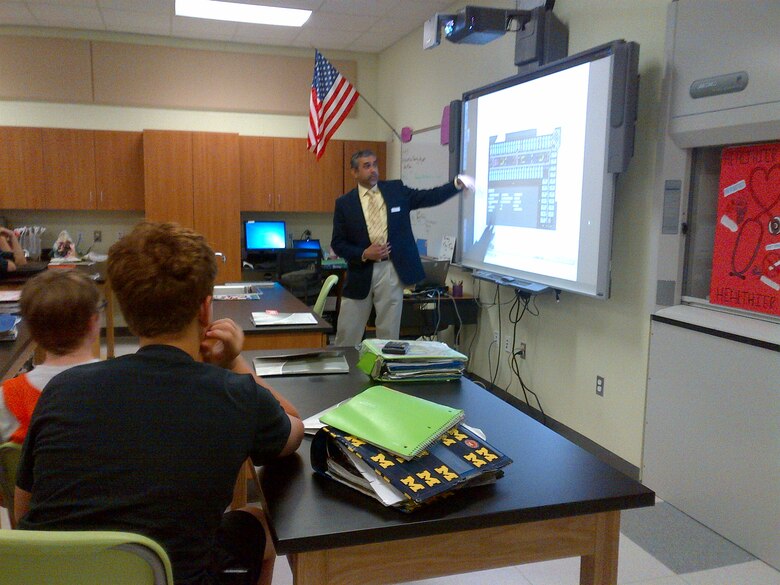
571,342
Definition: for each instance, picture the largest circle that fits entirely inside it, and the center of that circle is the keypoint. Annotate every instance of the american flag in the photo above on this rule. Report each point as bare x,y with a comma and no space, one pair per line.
332,97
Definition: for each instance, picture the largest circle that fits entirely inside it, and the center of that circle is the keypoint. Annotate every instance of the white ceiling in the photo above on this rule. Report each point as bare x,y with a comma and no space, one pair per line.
352,25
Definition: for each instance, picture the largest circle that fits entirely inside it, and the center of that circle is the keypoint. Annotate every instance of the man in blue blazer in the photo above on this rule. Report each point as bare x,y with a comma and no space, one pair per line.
373,233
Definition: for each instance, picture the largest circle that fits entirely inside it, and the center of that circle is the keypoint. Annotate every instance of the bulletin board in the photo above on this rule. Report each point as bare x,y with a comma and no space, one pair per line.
425,164
746,255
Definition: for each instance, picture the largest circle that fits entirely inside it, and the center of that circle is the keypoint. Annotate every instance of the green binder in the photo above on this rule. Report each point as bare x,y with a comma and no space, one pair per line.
399,423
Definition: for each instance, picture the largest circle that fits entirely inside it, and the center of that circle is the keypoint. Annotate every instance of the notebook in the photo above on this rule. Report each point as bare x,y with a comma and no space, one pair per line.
435,274
271,317
321,362
399,423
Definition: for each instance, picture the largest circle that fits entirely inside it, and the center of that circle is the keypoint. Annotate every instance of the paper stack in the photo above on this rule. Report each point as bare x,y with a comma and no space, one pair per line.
425,361
9,301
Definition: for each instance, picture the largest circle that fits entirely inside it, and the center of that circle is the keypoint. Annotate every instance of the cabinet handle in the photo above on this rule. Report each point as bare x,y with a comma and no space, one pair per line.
278,200
221,255
90,196
270,200
101,196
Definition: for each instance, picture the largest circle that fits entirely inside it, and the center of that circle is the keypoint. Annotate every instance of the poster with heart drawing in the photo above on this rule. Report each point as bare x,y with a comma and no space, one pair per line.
746,256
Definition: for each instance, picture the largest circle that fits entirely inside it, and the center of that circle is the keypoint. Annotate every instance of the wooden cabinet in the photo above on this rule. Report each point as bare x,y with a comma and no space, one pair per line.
119,170
295,180
86,169
353,146
21,168
257,173
193,178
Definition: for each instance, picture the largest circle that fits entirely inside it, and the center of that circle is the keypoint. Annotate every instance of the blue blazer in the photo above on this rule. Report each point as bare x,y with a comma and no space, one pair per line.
350,234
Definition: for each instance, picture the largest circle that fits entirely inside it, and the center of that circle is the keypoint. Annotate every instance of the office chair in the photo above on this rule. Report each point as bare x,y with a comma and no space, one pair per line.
319,304
31,557
9,461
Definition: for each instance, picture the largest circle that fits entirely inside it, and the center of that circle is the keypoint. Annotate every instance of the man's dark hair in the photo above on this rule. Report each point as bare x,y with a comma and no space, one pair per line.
353,162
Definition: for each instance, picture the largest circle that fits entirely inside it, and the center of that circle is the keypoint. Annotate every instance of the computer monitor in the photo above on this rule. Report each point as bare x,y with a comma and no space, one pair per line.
309,249
264,235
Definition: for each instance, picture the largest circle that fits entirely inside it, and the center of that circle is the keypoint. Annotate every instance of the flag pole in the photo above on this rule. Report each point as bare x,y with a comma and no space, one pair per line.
380,115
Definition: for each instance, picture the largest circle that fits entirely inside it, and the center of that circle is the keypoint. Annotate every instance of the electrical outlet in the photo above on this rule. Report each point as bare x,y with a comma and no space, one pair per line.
97,236
521,351
120,235
507,343
599,385
495,336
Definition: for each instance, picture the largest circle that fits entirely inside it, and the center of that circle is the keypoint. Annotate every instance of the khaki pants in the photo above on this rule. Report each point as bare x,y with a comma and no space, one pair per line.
386,296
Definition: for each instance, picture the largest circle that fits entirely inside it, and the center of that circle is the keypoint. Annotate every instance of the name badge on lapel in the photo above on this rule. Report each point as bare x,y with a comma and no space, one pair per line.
395,209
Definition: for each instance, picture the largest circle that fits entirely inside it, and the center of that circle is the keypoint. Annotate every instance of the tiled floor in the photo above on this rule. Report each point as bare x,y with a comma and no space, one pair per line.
658,546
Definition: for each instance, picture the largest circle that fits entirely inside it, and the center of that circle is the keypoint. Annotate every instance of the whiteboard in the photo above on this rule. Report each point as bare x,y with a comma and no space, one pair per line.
424,164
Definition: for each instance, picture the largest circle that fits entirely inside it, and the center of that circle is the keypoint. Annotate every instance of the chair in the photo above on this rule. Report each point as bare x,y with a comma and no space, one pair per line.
32,557
9,461
319,304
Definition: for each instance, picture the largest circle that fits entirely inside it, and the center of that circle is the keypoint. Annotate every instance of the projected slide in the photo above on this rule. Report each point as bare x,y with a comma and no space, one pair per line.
521,179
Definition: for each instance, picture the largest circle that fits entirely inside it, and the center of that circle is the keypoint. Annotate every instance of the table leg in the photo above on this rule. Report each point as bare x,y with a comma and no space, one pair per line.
601,567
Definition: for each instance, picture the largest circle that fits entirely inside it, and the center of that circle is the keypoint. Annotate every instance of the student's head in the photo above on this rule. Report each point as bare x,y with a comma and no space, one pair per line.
60,308
161,273
364,167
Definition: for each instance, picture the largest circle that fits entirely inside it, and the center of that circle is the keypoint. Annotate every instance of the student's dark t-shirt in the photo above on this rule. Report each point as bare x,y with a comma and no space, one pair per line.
148,443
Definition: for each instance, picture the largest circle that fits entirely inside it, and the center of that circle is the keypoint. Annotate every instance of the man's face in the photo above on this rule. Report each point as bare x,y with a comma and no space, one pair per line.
367,172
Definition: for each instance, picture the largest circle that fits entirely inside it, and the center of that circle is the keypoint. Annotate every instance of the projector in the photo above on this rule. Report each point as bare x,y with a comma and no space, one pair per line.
476,25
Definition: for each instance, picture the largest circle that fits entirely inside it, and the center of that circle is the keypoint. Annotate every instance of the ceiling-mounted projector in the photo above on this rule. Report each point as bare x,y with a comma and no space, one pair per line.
476,25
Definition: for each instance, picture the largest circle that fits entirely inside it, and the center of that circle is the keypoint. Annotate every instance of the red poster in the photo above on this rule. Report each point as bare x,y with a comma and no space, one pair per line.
746,258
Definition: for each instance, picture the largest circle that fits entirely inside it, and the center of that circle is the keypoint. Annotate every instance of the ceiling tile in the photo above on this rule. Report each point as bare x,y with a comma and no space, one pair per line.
330,21
68,16
136,22
261,34
16,13
201,28
365,7
144,6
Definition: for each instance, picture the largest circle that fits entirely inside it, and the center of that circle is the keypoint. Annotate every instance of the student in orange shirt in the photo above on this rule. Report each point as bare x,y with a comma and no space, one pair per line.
61,310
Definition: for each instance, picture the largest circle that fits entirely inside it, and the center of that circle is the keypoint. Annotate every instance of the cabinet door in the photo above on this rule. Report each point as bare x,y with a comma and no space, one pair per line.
119,170
21,168
168,176
68,169
353,146
217,196
327,178
301,182
257,173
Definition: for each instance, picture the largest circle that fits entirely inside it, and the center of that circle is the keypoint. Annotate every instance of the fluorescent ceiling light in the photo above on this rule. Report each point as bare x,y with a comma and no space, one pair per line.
236,12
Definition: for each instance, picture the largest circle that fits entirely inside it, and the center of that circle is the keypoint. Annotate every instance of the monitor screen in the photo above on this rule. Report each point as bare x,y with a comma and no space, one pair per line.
544,149
264,235
309,248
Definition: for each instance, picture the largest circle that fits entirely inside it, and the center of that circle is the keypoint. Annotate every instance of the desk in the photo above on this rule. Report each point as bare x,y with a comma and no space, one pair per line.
556,500
422,313
273,337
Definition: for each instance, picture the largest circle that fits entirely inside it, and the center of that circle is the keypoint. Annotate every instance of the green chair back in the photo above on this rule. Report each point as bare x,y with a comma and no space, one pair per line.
9,461
319,305
33,557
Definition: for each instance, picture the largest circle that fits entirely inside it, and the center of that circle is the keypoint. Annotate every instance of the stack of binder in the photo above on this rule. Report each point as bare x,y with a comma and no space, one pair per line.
431,361
9,301
402,450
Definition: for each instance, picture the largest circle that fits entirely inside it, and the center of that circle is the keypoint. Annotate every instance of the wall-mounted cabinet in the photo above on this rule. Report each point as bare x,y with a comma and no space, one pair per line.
193,178
280,174
86,169
21,168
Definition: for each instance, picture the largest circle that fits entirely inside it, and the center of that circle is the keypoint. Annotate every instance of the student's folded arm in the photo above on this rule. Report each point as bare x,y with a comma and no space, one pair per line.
242,366
295,438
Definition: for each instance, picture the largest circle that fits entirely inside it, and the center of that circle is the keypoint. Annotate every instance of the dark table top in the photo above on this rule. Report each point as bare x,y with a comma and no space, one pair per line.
273,297
549,478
